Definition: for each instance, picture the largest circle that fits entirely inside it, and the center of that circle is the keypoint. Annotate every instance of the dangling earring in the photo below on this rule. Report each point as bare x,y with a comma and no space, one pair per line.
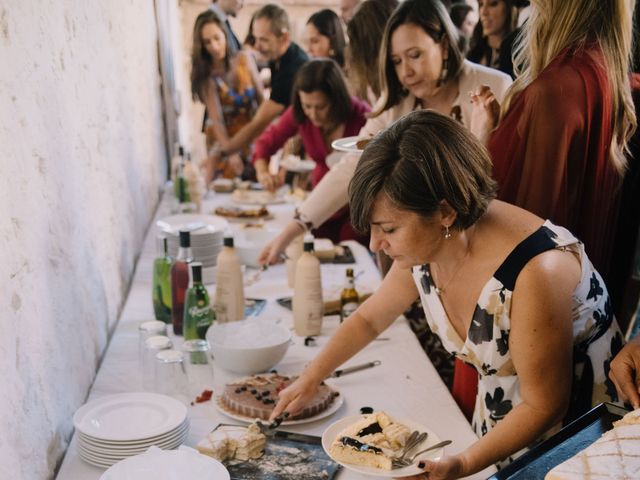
444,72
447,233
332,53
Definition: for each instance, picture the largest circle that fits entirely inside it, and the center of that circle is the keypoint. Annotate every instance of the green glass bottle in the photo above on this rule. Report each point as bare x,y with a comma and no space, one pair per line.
198,315
161,292
180,187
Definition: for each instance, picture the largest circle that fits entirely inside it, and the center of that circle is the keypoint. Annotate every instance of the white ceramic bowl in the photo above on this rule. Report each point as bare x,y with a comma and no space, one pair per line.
249,243
248,346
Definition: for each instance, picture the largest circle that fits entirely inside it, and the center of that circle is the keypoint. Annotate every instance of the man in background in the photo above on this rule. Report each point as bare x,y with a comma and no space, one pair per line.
272,33
223,9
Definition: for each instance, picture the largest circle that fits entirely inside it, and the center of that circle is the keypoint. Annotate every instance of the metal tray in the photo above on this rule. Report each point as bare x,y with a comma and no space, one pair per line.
287,456
573,438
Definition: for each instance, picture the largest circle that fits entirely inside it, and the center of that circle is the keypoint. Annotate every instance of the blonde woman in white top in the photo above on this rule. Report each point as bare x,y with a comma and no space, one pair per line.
421,67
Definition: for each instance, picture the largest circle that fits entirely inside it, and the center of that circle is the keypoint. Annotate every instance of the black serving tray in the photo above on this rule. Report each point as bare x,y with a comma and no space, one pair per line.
573,438
287,456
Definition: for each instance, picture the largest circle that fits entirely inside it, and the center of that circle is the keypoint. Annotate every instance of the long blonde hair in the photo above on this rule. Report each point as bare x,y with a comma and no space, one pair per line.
556,24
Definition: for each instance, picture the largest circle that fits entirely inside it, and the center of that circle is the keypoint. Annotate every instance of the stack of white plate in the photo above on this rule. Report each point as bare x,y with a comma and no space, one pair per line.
123,425
207,235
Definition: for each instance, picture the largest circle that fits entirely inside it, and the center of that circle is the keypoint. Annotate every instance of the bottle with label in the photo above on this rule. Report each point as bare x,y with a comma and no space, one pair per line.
349,298
176,159
293,252
229,302
161,293
180,281
308,306
198,315
180,186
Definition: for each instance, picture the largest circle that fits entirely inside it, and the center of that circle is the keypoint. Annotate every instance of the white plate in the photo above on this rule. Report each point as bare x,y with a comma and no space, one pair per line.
297,165
165,465
91,441
346,144
257,197
196,223
333,408
111,455
130,416
332,432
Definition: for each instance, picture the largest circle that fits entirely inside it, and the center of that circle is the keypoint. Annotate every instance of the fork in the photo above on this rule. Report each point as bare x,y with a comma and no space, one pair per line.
415,439
402,462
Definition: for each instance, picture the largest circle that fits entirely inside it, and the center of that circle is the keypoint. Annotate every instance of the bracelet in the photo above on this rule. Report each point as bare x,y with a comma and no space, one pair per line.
304,223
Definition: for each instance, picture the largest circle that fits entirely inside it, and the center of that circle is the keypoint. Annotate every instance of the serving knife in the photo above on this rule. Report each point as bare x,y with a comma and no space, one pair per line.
355,368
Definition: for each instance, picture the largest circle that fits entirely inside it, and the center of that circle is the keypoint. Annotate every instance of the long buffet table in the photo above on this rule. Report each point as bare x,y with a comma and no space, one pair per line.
405,384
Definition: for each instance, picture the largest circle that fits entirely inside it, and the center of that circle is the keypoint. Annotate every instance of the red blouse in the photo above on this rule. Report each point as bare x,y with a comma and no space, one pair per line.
551,150
275,136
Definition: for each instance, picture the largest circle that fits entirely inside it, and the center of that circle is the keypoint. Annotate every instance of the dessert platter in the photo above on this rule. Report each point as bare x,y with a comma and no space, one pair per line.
257,197
367,444
255,396
240,213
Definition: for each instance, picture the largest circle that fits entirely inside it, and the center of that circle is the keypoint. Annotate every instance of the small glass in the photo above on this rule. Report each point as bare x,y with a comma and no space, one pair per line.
199,366
152,346
149,329
170,376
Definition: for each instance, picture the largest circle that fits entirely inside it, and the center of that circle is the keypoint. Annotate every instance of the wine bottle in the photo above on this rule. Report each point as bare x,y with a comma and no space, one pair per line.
308,307
198,315
161,293
349,298
180,281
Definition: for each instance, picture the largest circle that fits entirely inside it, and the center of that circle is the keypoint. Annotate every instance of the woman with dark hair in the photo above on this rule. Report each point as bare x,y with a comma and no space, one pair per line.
230,89
324,37
492,41
420,67
365,31
321,111
511,294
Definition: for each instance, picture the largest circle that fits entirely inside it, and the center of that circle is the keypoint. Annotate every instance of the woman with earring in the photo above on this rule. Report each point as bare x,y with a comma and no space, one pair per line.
510,293
229,87
420,67
324,36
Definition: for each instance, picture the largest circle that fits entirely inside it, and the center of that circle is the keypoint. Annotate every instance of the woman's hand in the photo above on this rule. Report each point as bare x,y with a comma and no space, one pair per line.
447,468
485,113
207,168
294,398
271,252
625,373
269,182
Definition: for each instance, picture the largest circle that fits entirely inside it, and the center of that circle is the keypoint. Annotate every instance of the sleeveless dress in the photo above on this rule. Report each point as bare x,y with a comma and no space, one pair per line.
596,336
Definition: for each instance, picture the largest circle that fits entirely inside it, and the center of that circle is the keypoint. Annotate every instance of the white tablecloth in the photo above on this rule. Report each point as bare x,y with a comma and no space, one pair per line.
405,384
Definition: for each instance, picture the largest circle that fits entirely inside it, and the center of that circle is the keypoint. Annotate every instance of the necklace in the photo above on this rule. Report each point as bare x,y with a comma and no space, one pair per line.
440,290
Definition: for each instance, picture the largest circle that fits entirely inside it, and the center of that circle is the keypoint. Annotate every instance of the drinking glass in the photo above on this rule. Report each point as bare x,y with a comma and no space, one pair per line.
152,346
199,366
170,376
149,329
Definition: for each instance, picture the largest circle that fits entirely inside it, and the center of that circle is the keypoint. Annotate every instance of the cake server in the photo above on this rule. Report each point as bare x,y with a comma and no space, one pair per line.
355,368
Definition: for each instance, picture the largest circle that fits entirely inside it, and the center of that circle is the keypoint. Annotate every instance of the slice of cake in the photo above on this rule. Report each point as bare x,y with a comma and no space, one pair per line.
257,395
229,442
372,441
615,455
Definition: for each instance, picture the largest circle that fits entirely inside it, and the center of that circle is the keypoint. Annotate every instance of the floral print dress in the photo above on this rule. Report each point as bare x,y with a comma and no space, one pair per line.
596,335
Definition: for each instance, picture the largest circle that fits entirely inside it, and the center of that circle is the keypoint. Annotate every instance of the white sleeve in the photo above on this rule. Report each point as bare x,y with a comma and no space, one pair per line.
330,195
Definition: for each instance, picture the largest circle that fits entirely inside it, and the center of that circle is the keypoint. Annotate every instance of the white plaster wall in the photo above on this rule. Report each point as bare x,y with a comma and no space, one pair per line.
81,163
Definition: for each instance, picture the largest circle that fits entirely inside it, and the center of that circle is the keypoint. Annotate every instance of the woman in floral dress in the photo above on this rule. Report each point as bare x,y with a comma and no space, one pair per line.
231,90
510,293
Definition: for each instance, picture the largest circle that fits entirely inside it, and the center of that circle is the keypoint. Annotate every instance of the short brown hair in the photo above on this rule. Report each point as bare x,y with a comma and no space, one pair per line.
433,18
420,160
322,75
277,16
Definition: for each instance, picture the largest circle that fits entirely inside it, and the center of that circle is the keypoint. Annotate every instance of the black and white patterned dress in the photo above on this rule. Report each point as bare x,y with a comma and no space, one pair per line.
596,335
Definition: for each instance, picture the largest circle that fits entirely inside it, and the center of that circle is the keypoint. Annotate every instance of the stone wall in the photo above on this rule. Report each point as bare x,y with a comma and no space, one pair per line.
82,158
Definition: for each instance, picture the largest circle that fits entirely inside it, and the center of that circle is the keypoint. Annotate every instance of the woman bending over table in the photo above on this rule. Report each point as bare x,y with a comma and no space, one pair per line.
421,67
230,89
508,292
321,111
